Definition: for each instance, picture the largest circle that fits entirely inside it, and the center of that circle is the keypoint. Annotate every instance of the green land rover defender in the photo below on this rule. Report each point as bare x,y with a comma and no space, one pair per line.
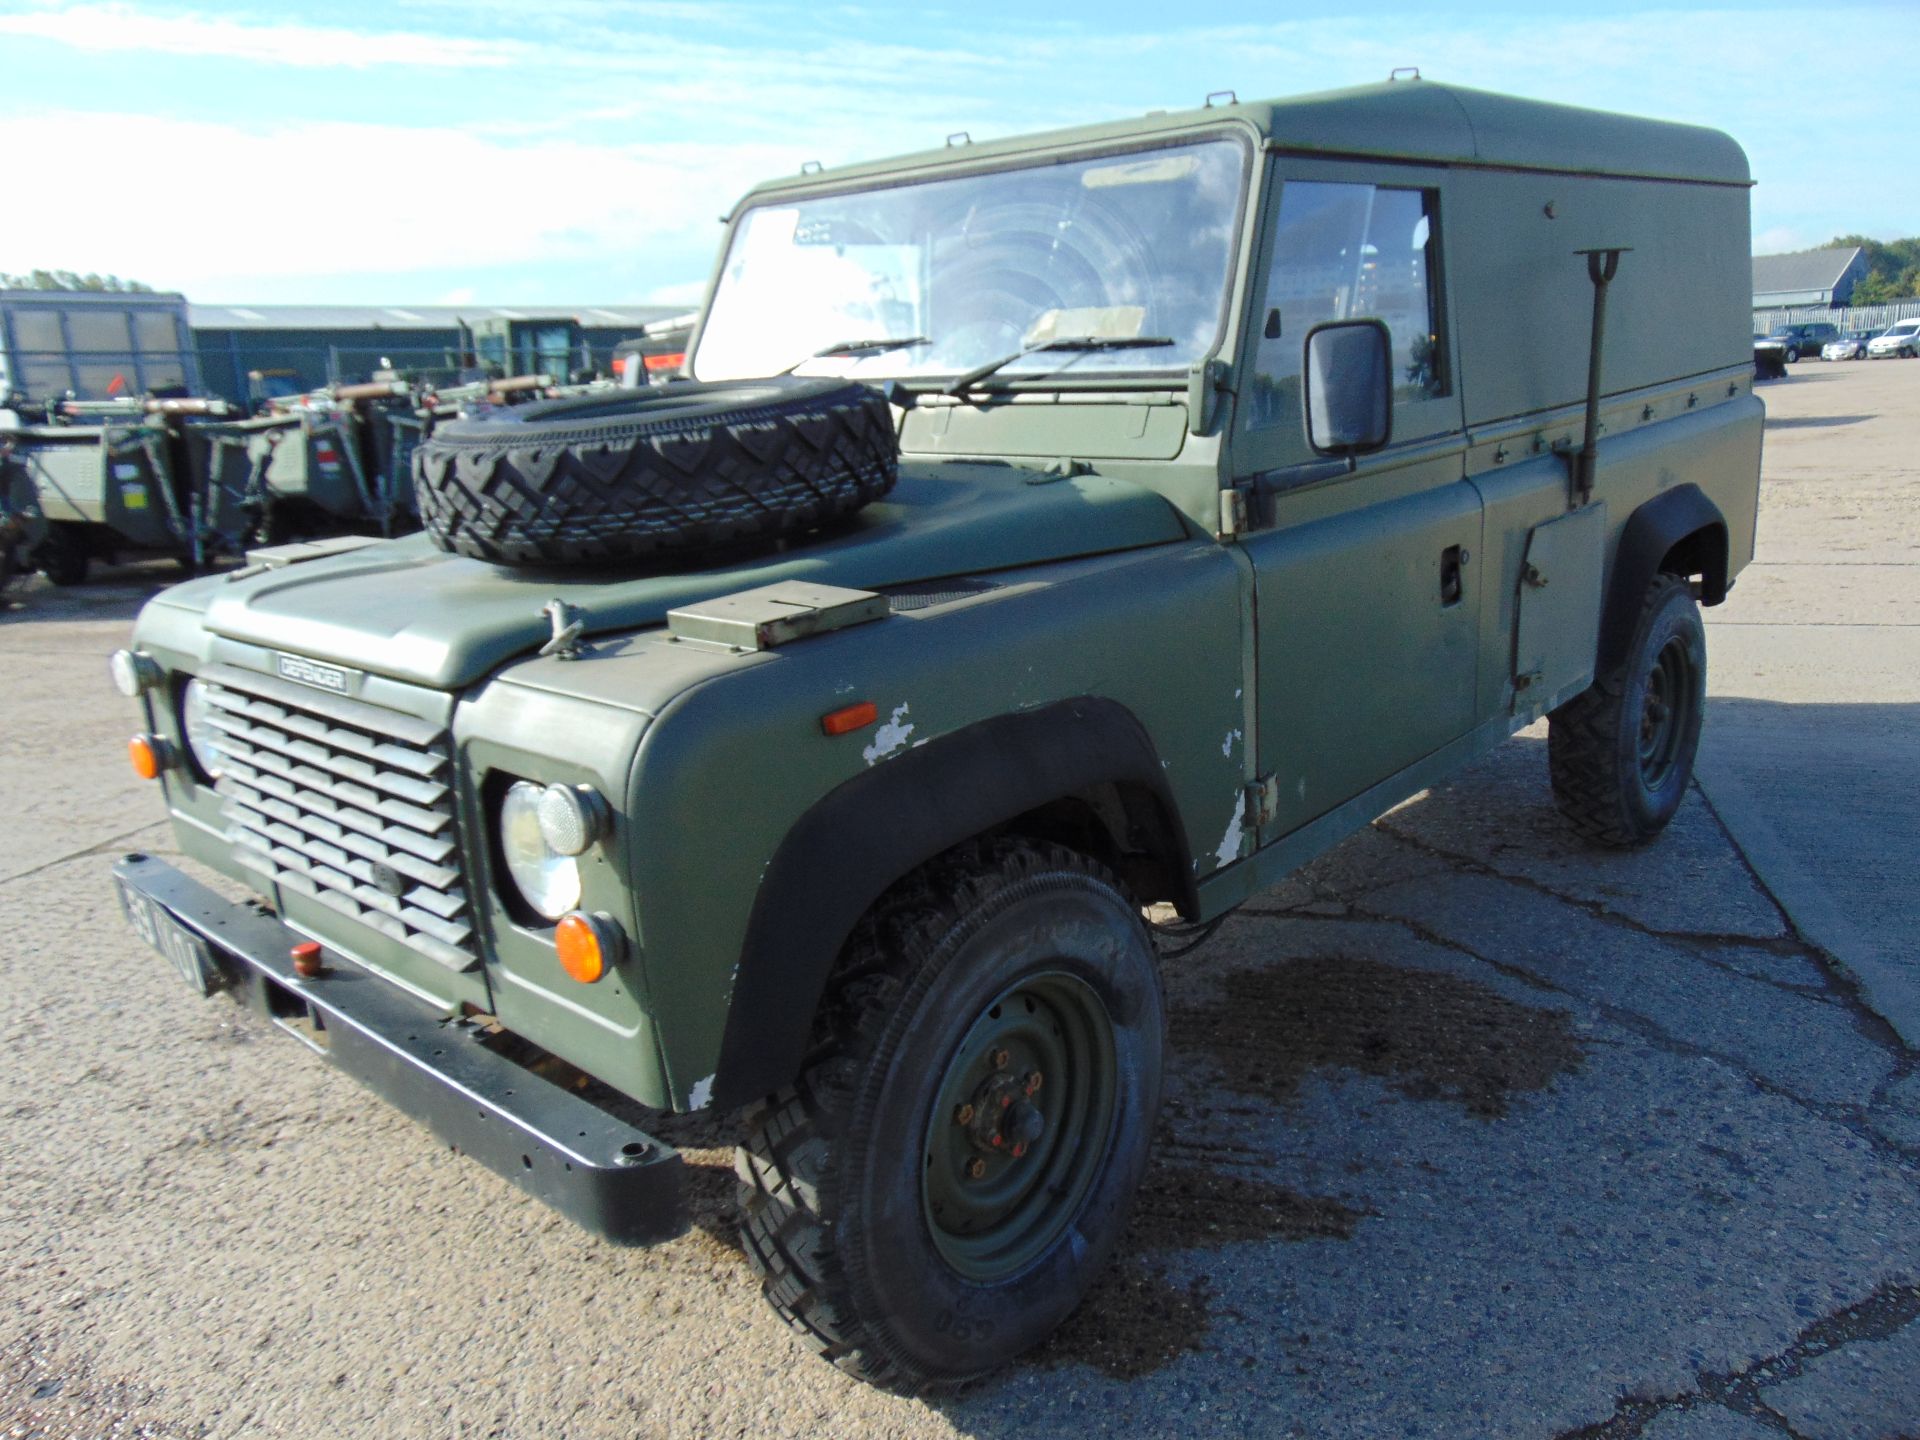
1047,530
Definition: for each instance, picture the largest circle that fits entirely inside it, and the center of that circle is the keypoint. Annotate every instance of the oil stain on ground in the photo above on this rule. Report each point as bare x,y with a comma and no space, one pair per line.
1431,1035
1138,1317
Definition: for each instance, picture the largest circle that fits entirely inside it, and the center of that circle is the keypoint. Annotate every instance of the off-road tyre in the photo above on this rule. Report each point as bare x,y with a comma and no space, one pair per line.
836,1172
1621,752
64,557
684,468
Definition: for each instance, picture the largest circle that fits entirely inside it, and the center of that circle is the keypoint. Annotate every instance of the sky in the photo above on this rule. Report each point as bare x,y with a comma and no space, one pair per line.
522,152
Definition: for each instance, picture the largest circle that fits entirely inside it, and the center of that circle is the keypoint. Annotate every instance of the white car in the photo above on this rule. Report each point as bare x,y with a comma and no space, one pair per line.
1847,347
1903,339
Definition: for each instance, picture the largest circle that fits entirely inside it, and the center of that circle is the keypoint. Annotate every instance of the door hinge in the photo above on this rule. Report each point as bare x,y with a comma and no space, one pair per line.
1263,802
1233,513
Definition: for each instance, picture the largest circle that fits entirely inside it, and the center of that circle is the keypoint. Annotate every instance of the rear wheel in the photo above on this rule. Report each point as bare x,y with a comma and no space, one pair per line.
953,1168
64,557
1621,752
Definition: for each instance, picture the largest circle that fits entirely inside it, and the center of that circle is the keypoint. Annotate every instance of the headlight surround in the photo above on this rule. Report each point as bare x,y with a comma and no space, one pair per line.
548,881
203,741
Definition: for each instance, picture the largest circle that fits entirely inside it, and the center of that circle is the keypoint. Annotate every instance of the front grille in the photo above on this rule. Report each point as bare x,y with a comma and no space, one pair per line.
331,797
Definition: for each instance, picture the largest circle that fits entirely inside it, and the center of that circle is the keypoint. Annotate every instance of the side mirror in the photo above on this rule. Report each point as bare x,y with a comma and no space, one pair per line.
1349,387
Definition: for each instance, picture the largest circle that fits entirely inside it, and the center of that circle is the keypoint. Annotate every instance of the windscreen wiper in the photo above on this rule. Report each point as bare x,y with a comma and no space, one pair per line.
859,347
973,377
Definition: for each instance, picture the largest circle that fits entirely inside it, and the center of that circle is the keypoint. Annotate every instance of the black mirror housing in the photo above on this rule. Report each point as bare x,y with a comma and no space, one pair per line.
1349,387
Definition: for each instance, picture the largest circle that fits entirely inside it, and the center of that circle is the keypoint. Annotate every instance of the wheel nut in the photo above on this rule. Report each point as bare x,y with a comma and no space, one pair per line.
1033,1082
963,1116
1019,1148
1001,1059
976,1168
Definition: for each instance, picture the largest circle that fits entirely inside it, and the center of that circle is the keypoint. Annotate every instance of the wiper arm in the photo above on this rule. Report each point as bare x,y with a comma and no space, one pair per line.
973,377
859,347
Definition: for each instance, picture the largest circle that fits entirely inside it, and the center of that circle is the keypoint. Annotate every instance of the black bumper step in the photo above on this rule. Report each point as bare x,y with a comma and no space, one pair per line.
606,1175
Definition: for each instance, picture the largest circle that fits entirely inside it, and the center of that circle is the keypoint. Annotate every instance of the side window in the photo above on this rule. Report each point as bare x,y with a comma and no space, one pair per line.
1348,252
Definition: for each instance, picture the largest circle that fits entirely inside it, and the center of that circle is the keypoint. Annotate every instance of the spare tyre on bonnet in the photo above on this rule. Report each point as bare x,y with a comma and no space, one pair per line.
682,468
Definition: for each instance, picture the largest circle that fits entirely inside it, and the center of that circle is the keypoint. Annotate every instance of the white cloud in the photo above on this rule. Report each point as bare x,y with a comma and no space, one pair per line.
689,293
114,26
486,203
1779,240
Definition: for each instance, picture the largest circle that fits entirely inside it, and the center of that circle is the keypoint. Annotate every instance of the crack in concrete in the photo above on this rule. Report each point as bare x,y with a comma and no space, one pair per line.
1840,988
1871,1023
94,849
1890,1308
1852,1118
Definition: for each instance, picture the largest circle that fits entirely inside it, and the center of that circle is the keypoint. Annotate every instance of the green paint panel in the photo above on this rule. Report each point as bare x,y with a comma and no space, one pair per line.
416,613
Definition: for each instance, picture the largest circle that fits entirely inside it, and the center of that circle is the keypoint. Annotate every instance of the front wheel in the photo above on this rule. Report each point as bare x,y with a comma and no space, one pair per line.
1621,752
953,1168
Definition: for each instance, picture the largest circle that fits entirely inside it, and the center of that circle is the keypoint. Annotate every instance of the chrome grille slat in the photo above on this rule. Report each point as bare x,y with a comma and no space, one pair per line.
325,796
406,729
433,849
421,762
253,739
262,808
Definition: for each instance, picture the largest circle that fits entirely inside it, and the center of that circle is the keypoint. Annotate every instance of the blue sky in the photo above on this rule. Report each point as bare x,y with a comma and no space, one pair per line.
528,151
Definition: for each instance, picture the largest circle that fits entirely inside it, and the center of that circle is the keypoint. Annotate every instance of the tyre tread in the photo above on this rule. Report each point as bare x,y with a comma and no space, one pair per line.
1583,756
784,1163
718,479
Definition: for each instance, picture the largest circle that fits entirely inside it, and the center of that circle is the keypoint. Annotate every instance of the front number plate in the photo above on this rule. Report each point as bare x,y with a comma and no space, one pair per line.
186,951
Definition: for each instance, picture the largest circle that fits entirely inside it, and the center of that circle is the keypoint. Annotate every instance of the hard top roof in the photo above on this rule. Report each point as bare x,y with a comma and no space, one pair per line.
1419,120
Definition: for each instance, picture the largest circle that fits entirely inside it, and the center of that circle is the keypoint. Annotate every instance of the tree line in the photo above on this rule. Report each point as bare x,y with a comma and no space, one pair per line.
1893,269
72,280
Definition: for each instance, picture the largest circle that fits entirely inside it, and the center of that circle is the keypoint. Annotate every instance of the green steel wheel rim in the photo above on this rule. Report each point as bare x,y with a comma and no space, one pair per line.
1021,1125
1665,712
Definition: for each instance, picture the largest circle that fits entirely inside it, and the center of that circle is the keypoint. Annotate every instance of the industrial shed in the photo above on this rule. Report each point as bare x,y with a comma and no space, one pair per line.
247,350
1812,277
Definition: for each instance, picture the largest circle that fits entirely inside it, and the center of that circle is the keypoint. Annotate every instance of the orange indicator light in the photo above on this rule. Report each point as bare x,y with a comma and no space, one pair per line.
144,752
581,955
850,718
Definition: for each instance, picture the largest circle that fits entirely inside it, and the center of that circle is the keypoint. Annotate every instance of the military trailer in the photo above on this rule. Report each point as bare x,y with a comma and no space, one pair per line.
1050,529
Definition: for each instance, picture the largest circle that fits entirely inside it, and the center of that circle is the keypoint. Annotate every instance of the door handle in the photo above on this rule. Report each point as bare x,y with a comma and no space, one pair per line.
1452,585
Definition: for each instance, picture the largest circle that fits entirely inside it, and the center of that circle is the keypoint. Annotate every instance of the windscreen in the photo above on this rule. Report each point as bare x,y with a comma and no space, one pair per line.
1120,247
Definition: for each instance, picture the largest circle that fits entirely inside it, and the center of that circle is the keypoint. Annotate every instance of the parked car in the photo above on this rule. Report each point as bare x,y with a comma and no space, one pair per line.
1769,358
1805,339
1902,339
1850,346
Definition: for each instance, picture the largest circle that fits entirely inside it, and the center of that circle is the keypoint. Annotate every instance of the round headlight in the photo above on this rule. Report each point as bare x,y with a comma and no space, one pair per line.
546,879
572,817
203,740
133,673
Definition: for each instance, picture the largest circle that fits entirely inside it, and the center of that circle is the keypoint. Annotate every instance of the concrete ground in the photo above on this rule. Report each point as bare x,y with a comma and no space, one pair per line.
1472,1132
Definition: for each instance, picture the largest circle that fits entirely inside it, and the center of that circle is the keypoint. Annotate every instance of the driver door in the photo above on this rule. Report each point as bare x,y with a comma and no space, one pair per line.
1365,573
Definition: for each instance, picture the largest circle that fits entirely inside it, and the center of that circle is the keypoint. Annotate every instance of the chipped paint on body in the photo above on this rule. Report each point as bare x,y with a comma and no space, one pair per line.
890,738
1235,838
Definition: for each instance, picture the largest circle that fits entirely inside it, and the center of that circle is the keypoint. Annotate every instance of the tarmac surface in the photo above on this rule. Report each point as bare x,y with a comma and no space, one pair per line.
1472,1131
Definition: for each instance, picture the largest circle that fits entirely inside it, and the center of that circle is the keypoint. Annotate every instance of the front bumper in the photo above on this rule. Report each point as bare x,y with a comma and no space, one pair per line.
606,1175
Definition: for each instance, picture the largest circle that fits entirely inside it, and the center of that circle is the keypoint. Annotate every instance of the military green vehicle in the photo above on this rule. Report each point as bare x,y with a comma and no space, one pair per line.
1050,529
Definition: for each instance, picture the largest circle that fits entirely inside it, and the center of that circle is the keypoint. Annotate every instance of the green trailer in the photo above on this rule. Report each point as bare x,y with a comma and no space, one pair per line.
113,480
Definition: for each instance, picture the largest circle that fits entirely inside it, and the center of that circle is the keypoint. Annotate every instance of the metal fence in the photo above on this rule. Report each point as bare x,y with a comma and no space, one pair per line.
1851,318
